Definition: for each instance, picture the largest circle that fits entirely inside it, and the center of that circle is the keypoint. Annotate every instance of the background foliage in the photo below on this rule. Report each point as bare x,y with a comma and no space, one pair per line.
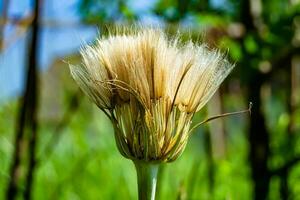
240,157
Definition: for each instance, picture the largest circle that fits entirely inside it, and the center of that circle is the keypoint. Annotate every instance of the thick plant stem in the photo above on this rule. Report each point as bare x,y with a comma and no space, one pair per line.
147,179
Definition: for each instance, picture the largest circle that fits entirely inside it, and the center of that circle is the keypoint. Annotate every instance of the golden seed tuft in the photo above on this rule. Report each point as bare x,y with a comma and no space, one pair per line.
150,87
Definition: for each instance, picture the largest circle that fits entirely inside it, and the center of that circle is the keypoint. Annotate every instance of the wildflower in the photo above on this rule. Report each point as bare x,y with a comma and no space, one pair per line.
150,87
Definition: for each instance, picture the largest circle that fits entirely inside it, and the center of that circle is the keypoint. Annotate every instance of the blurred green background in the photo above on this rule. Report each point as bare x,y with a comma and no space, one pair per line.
55,144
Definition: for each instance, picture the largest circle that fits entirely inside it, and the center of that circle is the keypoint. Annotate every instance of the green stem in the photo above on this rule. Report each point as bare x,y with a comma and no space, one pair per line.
147,179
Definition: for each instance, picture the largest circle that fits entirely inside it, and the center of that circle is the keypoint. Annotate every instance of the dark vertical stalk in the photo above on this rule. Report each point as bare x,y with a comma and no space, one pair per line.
33,54
259,141
258,135
27,118
12,188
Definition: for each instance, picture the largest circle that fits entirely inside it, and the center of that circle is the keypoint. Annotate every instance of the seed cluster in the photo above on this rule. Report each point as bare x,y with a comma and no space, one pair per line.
150,87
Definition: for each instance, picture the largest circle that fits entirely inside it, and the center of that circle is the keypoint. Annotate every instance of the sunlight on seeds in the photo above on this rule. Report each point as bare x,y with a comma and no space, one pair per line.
150,86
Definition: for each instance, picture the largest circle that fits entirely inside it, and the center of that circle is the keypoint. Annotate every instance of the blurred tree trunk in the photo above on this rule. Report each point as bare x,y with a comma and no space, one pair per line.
27,119
258,134
33,57
259,141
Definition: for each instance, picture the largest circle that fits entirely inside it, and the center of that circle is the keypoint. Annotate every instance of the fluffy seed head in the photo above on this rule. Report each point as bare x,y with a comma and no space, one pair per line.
150,87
